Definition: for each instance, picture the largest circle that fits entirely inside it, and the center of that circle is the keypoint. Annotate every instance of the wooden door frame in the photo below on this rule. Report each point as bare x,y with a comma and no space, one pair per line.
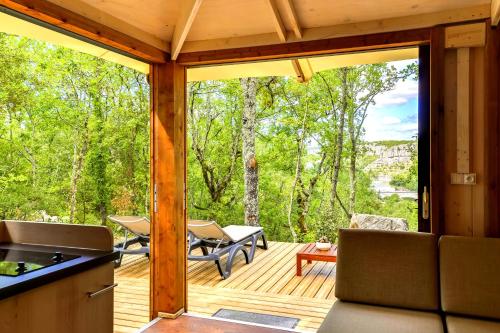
424,164
437,150
177,296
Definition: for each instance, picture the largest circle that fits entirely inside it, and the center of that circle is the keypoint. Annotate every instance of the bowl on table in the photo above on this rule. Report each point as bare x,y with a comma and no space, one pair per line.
323,246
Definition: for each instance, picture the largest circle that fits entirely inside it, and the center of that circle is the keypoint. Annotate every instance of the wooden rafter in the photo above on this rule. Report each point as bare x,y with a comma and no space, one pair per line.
67,20
278,22
343,30
306,68
298,34
298,71
292,15
495,12
188,12
302,69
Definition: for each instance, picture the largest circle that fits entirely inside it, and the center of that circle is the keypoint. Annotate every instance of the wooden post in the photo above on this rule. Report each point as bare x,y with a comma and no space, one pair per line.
464,38
168,201
463,110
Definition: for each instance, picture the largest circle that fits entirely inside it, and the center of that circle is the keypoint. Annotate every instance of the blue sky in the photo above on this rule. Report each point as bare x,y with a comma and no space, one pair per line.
395,114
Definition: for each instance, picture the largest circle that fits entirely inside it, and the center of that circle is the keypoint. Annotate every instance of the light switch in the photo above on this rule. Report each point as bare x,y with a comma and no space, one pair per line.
463,178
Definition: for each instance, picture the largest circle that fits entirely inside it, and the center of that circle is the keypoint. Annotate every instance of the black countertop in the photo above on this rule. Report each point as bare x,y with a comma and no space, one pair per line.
13,285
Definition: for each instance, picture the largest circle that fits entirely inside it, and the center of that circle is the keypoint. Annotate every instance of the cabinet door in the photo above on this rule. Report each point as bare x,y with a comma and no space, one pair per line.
95,313
63,306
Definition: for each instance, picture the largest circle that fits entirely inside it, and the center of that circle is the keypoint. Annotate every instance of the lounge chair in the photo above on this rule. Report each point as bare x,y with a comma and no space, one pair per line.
138,226
221,241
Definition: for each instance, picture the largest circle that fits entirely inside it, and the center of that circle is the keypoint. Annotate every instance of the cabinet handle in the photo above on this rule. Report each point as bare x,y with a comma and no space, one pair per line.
102,291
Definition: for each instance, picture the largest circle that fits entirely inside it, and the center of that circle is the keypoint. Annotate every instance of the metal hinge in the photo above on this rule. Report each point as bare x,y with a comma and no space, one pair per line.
155,200
184,198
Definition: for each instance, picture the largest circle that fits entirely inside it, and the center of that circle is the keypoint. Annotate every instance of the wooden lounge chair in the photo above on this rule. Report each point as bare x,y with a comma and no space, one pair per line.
138,226
229,240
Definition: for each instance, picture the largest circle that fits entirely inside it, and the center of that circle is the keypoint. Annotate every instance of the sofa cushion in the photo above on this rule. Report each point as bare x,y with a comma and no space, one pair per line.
467,325
388,268
359,318
470,276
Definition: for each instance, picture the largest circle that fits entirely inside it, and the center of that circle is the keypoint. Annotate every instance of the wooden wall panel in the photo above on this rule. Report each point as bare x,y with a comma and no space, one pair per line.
457,198
168,172
478,141
465,205
471,210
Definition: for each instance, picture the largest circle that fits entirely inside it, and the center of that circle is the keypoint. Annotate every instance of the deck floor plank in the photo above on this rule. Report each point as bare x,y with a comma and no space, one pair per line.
268,285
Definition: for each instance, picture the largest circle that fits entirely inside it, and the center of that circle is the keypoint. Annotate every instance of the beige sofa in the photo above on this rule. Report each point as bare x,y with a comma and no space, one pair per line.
414,282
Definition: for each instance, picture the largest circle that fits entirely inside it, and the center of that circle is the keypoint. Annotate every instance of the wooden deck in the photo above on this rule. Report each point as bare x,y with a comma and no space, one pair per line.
267,285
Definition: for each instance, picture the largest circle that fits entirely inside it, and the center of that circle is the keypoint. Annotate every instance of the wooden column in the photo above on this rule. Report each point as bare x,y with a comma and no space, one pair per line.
463,110
168,179
465,131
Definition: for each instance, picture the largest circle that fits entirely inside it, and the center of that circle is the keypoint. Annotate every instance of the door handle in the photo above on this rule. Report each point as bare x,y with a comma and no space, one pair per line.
102,291
425,204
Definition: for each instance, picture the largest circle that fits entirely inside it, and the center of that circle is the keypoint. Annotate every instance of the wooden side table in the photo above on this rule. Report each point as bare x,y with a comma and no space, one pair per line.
309,252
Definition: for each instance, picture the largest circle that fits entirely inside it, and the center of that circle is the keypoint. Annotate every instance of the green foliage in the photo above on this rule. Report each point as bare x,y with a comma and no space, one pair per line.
288,112
73,125
53,103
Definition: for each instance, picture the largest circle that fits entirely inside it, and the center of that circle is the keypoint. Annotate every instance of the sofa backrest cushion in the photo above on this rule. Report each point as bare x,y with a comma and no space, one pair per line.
470,276
388,268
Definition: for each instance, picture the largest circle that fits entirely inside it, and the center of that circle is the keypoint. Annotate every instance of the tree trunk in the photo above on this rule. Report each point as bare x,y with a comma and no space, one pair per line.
98,156
217,181
298,175
352,173
100,167
337,160
304,196
250,167
78,159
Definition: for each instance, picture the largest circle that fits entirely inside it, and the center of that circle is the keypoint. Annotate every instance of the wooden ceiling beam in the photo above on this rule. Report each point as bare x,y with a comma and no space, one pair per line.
298,71
344,30
306,69
308,48
292,16
64,19
495,12
188,12
302,69
278,22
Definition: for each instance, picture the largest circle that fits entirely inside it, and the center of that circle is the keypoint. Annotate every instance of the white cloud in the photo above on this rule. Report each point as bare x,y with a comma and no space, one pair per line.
408,127
392,118
388,120
401,94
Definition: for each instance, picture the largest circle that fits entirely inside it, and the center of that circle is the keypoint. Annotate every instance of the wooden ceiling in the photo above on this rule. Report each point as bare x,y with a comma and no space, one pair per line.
197,25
